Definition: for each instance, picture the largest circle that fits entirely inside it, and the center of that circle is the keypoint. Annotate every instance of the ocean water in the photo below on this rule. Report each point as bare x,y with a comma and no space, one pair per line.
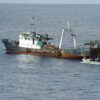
28,77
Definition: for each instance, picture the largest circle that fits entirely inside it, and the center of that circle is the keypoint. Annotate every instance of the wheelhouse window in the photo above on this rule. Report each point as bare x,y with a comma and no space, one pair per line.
28,38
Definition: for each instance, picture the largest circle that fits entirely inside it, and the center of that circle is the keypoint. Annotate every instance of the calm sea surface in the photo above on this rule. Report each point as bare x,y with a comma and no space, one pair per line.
28,77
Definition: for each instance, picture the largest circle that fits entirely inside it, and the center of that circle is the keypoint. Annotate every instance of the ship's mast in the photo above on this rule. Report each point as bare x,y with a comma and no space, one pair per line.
32,25
73,36
62,34
74,40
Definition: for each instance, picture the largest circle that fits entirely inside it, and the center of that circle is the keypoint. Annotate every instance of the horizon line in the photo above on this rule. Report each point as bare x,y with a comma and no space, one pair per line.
52,3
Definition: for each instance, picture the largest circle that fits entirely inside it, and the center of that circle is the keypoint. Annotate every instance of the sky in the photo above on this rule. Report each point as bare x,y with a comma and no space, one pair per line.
52,1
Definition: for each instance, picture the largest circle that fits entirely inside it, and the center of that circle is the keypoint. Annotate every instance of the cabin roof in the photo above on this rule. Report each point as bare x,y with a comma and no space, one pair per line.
92,42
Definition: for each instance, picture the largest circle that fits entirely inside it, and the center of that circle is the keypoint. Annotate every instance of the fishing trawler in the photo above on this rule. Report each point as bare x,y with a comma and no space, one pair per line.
38,44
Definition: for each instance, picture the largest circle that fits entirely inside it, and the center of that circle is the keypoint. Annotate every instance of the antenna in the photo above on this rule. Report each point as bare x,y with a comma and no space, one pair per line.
68,26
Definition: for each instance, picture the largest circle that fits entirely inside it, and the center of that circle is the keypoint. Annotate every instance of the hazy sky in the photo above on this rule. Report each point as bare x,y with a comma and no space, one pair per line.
53,1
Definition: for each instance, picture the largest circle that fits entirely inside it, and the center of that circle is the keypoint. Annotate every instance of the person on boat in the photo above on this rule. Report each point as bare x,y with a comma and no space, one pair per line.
45,36
97,59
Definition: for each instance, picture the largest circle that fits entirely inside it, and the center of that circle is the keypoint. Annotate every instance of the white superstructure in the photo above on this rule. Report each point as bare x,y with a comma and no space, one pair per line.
26,40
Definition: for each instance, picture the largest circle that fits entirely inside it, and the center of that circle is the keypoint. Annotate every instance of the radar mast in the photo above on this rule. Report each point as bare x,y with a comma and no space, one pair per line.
33,25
